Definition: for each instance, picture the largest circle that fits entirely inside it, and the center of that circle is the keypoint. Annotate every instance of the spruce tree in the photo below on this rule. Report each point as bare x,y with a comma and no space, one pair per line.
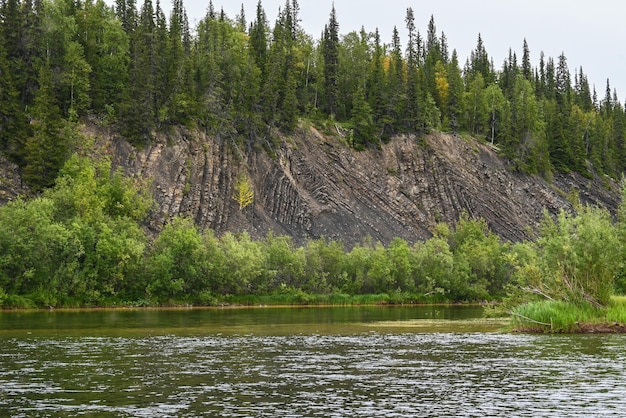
330,48
12,121
413,94
46,150
396,85
454,105
32,49
479,62
259,39
139,105
376,77
433,56
362,121
526,66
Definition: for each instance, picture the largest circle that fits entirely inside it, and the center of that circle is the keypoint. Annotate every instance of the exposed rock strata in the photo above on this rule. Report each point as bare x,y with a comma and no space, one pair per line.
11,184
313,186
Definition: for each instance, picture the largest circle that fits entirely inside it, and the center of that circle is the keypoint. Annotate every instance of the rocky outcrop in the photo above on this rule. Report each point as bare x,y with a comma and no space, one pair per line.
313,185
11,184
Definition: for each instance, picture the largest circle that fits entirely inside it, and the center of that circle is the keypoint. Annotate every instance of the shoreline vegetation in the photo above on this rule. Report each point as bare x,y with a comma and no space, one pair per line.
82,244
291,300
560,317
545,317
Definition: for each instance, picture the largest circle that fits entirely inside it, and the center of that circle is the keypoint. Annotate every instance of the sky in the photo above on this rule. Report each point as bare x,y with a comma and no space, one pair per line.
591,34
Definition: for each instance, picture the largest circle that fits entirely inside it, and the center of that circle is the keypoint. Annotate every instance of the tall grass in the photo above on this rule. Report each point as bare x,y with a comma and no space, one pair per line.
566,317
616,310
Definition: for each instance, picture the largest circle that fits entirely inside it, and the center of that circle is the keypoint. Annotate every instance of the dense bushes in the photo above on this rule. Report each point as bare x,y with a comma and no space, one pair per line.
81,243
574,259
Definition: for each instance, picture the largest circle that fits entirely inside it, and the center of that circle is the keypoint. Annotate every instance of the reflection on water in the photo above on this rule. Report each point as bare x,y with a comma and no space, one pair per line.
194,369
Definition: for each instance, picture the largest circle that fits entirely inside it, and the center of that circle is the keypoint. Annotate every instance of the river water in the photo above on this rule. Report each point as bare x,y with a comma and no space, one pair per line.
303,362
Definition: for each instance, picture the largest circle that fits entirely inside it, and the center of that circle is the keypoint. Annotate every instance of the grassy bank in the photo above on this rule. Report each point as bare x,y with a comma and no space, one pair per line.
293,298
564,317
338,299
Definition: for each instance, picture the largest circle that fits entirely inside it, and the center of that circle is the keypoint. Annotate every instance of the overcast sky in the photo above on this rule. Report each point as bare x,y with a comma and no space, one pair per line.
591,33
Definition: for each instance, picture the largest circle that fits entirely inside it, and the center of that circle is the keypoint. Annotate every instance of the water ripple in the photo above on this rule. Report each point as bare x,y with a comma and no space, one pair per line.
369,374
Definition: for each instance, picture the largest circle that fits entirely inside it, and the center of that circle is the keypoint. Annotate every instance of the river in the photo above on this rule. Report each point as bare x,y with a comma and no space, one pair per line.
301,362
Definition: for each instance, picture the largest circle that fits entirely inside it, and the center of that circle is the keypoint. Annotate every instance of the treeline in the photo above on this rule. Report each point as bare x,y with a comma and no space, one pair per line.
135,68
81,244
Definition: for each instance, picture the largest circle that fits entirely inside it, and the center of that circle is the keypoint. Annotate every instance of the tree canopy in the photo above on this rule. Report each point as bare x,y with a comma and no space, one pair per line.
141,71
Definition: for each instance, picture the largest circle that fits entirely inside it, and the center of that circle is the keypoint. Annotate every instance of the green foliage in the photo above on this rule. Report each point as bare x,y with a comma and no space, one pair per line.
80,241
62,61
620,279
481,252
575,259
566,317
177,263
35,248
362,122
287,261
553,316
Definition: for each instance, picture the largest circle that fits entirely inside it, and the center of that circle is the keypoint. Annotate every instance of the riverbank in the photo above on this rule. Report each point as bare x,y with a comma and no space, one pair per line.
292,299
570,318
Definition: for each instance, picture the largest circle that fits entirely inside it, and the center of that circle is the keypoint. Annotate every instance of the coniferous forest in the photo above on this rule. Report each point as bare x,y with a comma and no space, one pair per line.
141,71
250,77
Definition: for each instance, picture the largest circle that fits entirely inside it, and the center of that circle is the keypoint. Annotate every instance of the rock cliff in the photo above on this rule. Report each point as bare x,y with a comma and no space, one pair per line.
313,185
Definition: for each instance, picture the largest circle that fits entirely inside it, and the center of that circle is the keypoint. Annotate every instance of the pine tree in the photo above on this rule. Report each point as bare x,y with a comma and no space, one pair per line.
109,76
445,57
275,84
211,11
563,82
583,91
11,22
32,49
432,57
549,84
241,20
175,103
289,105
126,11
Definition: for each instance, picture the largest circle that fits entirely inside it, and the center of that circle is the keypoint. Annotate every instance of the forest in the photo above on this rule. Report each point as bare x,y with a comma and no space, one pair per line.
78,240
62,61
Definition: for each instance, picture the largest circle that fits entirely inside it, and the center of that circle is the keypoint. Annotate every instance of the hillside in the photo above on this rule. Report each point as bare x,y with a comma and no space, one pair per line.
316,186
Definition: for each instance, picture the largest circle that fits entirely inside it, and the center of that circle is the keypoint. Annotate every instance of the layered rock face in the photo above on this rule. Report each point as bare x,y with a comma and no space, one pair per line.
313,186
11,184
